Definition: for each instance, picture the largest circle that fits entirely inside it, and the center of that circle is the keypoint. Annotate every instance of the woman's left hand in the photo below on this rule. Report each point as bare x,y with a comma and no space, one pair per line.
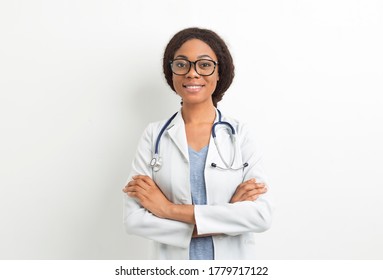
249,190
148,194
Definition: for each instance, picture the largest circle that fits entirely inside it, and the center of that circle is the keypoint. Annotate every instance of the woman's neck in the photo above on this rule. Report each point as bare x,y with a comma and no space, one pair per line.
198,114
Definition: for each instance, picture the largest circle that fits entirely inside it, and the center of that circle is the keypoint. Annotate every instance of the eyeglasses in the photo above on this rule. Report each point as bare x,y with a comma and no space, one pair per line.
203,67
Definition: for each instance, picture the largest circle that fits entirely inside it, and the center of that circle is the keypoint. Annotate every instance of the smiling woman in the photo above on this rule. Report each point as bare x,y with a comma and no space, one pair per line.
195,84
194,210
213,48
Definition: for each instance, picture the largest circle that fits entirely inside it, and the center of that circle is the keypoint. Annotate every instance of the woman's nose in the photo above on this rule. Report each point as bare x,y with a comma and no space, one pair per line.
192,72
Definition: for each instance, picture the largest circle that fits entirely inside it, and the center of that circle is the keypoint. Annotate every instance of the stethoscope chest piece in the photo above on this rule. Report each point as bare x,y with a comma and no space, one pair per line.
155,163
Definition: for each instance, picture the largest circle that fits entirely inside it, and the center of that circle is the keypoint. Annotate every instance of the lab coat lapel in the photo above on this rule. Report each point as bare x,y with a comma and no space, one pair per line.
212,155
176,132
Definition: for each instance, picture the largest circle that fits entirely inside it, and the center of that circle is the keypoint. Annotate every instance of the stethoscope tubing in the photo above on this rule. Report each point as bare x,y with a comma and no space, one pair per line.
156,164
156,148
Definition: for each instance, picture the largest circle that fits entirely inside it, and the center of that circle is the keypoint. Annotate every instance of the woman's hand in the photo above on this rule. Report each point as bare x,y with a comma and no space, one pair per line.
148,194
249,190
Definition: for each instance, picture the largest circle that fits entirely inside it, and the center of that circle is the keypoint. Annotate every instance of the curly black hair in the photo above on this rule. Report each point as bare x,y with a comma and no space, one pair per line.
216,43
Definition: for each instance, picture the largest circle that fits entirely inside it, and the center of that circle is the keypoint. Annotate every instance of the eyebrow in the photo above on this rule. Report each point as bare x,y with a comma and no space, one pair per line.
198,57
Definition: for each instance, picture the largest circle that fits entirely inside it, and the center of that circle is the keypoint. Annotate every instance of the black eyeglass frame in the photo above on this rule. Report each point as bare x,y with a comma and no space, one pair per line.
195,67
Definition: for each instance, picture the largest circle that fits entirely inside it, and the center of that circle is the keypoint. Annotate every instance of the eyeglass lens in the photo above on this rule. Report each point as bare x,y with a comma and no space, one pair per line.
203,67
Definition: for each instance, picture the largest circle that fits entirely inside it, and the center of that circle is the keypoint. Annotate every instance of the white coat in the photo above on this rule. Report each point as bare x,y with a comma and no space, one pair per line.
236,221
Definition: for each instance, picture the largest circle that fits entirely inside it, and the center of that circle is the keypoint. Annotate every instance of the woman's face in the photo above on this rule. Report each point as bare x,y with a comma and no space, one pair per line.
192,87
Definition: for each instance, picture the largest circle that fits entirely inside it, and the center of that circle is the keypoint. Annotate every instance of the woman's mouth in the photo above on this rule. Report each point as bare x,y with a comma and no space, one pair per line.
193,88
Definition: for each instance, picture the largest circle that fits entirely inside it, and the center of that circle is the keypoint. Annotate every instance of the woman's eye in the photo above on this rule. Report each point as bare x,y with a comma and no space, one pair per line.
181,65
204,64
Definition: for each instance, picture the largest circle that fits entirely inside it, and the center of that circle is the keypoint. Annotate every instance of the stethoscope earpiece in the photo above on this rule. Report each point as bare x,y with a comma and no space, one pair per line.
214,165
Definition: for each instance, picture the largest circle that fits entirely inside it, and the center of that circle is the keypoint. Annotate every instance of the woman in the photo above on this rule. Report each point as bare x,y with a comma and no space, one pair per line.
200,199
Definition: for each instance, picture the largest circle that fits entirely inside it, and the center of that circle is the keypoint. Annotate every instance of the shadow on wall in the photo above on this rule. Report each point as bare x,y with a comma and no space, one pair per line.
150,101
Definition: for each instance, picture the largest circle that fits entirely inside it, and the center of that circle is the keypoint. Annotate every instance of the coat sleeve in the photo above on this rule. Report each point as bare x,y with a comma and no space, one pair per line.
240,217
137,220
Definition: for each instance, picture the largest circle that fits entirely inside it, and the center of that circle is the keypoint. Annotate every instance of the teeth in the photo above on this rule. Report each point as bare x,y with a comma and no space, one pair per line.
193,86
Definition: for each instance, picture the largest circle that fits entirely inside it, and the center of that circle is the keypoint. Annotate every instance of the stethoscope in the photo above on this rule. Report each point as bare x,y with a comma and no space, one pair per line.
156,161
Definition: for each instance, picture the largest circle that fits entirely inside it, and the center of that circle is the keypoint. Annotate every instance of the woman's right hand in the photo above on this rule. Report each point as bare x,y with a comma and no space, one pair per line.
249,190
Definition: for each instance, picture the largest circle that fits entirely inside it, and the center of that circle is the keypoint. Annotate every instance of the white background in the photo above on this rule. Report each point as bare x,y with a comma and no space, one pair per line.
80,79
